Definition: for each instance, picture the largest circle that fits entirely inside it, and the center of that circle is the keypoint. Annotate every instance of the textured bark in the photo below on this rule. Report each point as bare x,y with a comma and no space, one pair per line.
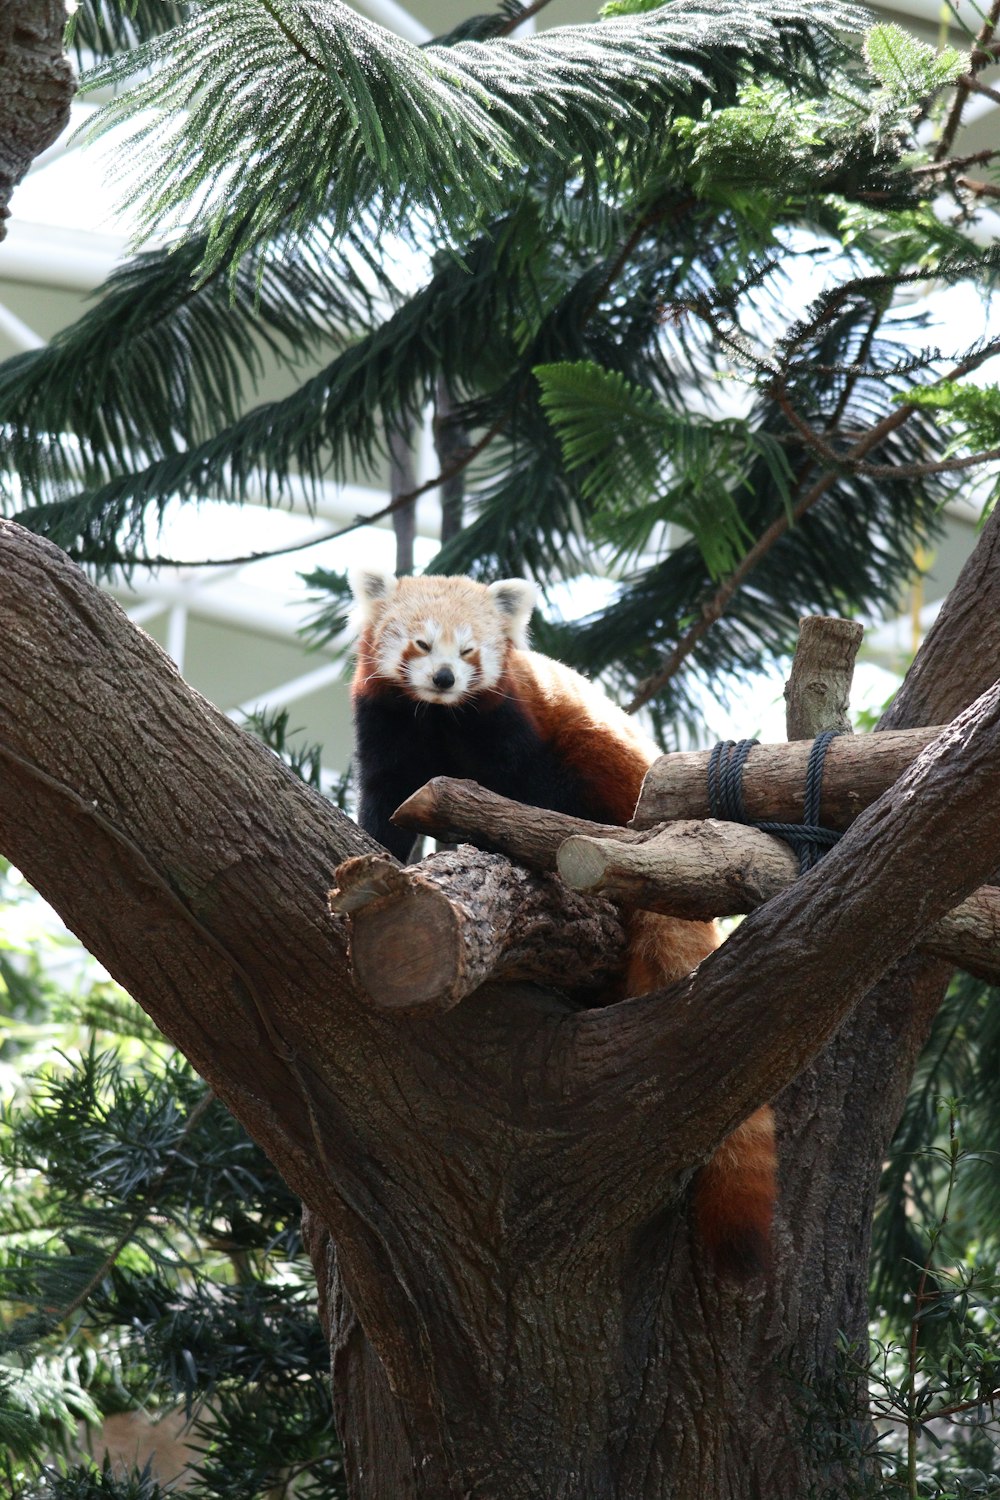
517,1306
818,690
459,812
36,86
425,937
856,770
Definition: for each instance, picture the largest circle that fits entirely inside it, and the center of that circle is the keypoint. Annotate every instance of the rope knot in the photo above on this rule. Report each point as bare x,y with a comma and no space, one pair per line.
809,839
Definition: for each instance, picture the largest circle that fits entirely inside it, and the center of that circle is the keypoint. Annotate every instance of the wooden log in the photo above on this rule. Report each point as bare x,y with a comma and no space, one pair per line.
818,690
708,868
425,936
697,869
857,770
463,812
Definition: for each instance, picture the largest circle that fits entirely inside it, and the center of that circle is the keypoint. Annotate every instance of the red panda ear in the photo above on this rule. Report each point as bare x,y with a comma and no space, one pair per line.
372,588
515,599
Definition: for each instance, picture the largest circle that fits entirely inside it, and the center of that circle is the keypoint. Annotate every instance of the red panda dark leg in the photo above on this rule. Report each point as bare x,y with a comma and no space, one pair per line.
734,1193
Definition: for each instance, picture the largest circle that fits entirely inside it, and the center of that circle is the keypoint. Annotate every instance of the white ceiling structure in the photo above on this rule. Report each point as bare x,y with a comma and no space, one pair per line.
234,629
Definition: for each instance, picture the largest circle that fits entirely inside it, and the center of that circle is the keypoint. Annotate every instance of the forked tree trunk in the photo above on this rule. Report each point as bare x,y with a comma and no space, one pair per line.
518,1306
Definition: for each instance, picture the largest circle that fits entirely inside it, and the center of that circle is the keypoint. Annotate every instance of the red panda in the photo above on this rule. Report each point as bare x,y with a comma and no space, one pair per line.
445,685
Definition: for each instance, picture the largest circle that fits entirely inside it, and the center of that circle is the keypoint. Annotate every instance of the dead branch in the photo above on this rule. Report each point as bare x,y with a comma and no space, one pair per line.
818,690
462,812
424,937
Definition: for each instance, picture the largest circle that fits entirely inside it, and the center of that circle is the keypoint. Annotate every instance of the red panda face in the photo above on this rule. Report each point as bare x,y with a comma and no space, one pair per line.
441,639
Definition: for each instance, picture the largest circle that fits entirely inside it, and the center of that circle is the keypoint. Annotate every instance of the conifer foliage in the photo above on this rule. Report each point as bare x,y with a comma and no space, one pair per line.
671,260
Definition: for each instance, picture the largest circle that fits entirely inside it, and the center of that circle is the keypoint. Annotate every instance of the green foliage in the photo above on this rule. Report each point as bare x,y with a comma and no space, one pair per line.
908,70
972,410
150,1259
646,466
87,1481
159,363
628,198
403,124
102,28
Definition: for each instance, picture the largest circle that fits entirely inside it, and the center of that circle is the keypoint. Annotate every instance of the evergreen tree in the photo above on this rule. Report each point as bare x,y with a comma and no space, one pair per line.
624,367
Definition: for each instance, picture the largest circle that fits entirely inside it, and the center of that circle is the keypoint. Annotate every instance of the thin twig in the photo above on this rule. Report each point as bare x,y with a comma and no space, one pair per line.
715,607
964,84
522,16
976,186
954,163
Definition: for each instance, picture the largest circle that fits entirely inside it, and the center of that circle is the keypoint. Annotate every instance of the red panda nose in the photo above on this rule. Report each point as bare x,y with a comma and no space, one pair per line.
443,678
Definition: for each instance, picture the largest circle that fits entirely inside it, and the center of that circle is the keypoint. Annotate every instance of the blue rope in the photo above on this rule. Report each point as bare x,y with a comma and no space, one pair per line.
725,797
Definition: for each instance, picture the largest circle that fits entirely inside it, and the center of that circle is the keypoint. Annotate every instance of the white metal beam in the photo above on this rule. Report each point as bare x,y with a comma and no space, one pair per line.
18,332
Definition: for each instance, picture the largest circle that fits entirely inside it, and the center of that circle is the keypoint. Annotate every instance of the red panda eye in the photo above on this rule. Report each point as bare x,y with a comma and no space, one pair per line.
421,645
466,651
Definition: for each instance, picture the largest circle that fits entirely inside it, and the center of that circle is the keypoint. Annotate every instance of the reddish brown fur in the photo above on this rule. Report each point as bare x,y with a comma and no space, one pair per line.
582,741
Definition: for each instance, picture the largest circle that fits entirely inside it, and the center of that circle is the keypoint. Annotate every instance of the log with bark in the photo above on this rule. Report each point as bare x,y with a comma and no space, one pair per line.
693,868
425,937
857,769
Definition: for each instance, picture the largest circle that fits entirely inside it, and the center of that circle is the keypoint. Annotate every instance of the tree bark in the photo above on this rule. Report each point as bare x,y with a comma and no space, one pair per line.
518,1306
36,86
425,937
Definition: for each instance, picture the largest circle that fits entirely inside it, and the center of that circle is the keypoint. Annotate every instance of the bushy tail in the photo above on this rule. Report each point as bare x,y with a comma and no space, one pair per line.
734,1196
734,1193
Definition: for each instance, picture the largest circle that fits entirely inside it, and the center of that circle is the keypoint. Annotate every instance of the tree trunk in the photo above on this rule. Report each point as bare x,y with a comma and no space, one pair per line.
36,86
518,1305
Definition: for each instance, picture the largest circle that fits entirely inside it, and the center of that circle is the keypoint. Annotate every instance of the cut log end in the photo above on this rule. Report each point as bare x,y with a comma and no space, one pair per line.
411,967
581,863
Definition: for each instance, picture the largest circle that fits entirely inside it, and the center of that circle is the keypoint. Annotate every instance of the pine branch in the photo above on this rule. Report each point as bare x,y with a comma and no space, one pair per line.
713,609
406,124
104,28
981,56
162,361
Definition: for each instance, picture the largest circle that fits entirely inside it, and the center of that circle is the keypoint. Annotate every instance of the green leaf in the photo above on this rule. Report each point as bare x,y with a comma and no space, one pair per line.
908,69
345,116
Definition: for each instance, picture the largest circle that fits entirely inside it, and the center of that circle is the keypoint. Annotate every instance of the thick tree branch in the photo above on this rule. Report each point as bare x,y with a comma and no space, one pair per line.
36,86
744,1020
700,870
